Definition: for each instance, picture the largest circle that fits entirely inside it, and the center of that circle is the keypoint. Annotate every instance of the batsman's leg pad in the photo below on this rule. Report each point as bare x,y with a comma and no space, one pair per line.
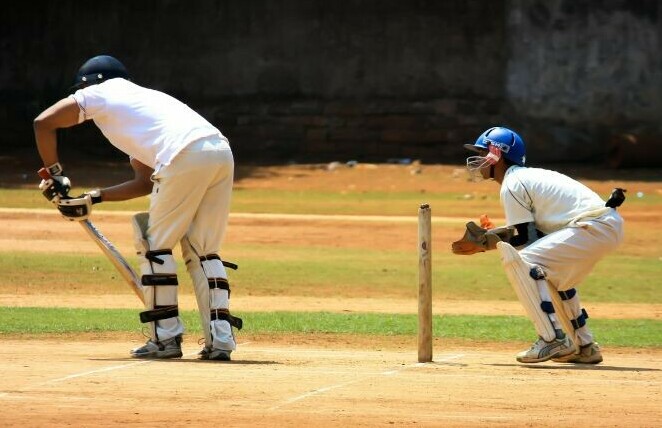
159,280
200,286
517,271
212,291
160,283
219,302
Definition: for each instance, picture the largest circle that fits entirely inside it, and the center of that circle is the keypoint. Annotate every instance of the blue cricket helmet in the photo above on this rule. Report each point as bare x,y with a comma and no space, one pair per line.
506,140
97,69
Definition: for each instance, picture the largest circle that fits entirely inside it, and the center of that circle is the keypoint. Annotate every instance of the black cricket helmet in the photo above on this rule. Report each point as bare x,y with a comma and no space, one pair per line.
96,70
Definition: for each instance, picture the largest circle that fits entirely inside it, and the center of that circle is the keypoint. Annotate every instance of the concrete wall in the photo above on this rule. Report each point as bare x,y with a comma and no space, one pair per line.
580,73
365,80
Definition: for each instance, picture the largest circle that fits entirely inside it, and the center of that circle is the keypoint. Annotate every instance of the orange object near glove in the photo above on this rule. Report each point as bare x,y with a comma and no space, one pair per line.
478,239
485,222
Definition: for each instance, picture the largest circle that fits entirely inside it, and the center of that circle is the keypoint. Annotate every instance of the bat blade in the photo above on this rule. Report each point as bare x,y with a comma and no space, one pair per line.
115,257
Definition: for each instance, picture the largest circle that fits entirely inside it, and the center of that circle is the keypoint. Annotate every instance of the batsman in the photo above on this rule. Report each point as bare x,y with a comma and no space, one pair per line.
187,165
556,230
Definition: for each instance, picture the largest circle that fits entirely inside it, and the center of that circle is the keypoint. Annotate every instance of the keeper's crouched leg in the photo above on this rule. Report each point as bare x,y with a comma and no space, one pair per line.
552,342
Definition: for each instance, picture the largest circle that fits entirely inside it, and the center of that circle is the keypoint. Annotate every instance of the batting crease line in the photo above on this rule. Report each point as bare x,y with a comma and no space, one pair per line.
77,375
320,391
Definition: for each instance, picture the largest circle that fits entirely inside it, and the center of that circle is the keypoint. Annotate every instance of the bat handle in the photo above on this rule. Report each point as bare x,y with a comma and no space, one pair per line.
44,174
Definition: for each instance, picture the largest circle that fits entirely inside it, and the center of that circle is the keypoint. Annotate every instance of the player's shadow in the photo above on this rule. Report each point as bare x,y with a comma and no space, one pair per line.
578,367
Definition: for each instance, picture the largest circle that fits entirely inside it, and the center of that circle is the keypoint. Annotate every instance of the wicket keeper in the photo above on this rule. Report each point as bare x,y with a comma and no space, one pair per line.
556,230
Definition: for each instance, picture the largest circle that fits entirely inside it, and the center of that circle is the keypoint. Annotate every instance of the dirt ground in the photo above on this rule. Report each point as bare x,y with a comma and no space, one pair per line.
322,383
297,380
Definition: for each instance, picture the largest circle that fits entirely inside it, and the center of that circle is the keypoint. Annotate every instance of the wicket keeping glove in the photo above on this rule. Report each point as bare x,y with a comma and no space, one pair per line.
477,239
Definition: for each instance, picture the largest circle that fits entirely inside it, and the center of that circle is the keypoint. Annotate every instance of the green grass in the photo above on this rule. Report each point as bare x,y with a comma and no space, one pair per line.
36,321
333,272
355,202
322,202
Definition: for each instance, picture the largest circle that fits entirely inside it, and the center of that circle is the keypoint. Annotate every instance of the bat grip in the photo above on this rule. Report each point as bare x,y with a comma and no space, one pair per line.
44,174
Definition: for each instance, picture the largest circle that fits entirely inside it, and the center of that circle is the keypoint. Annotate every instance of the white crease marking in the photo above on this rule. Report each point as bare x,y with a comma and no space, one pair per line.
322,390
90,372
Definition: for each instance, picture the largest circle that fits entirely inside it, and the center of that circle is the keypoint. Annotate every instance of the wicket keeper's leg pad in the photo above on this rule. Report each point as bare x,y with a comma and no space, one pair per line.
526,288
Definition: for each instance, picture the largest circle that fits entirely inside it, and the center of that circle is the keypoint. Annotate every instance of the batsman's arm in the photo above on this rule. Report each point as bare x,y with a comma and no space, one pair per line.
140,185
62,114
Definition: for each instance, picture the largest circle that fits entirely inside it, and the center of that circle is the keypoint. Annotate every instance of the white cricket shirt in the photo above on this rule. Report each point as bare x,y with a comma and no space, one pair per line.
144,123
548,198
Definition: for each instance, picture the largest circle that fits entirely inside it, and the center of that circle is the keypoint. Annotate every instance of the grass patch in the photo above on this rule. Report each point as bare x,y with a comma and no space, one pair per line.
312,201
308,201
356,202
331,272
628,333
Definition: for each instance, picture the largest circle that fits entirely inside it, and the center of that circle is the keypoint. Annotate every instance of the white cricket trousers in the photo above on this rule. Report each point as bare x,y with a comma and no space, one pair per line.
191,197
569,255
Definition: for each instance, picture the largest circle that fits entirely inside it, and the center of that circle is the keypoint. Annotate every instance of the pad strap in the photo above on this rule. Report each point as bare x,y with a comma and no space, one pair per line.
580,321
159,313
220,283
223,314
157,279
537,273
577,323
567,294
152,256
547,307
217,257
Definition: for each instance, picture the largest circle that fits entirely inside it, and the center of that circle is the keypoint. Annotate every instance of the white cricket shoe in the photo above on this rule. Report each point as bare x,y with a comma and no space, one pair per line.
208,353
169,348
588,354
223,342
543,351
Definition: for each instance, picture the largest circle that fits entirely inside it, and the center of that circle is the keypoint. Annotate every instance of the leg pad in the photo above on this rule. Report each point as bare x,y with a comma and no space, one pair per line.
526,288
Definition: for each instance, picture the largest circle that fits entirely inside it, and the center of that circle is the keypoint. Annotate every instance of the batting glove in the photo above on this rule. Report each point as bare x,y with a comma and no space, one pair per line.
78,209
54,184
95,195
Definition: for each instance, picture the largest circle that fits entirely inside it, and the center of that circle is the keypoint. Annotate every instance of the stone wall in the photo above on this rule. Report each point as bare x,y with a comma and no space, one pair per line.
358,79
